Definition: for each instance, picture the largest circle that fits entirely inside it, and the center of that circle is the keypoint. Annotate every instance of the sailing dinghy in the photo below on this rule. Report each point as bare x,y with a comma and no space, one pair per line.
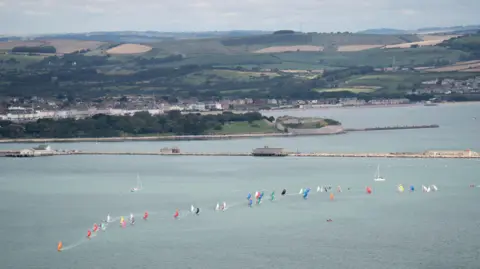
377,177
139,186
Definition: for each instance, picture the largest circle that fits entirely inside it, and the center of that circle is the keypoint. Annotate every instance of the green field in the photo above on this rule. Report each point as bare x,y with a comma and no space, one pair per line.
412,57
424,56
354,90
260,126
401,81
217,75
21,61
246,44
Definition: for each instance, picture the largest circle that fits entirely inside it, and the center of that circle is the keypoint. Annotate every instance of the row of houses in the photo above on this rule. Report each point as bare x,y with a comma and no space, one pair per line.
449,86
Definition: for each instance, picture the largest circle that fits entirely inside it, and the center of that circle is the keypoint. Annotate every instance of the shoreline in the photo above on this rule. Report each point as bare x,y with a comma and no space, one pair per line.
368,106
214,137
147,138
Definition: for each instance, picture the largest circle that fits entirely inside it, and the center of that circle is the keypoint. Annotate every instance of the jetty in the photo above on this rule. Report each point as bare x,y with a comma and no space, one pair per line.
259,152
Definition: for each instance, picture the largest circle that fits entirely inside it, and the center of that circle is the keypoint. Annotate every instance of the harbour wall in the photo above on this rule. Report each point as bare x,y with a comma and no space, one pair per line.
422,155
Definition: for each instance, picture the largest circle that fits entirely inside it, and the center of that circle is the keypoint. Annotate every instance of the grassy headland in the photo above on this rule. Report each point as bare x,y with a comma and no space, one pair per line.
140,124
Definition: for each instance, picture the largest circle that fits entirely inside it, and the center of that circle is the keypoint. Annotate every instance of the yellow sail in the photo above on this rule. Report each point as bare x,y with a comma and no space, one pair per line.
121,220
400,188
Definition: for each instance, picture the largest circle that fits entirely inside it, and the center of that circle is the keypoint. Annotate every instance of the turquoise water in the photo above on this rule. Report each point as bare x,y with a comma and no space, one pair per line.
44,200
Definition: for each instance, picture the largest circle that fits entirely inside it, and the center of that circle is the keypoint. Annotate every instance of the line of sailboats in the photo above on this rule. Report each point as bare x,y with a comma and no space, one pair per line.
378,178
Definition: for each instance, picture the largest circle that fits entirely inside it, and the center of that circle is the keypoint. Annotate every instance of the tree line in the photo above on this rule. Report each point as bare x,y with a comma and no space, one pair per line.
37,49
141,123
469,43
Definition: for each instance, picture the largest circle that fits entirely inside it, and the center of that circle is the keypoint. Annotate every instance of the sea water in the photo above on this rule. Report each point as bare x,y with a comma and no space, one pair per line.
51,199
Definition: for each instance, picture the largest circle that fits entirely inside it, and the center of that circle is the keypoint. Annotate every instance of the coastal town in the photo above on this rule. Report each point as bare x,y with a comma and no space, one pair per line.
19,109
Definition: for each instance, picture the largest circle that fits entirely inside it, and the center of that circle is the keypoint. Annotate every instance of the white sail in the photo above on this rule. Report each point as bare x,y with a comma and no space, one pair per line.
108,218
301,191
192,208
318,189
217,207
322,189
224,206
434,188
339,189
377,176
139,183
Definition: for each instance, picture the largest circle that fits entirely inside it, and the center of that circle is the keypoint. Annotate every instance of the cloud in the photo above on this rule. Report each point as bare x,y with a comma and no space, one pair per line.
200,4
230,14
2,4
93,9
29,12
408,12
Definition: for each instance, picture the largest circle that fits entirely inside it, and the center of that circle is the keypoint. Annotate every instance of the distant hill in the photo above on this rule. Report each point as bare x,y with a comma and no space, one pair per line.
275,43
427,30
383,31
138,36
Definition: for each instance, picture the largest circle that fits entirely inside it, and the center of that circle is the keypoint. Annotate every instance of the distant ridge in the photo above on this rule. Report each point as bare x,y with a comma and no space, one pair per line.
383,31
426,30
137,36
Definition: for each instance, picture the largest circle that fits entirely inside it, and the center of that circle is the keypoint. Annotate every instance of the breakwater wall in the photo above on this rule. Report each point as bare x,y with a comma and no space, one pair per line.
421,155
203,137
405,127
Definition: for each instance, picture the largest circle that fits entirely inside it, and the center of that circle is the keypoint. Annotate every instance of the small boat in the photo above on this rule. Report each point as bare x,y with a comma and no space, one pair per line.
377,176
139,185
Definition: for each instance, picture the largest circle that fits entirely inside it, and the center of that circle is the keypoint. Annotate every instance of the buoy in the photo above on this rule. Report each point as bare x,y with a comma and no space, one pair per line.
369,190
59,246
331,196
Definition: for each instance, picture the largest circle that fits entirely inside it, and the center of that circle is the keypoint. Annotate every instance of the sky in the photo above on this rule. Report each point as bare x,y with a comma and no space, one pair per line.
24,17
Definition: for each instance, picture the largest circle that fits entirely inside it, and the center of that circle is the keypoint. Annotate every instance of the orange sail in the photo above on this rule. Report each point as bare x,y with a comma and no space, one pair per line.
59,246
331,196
